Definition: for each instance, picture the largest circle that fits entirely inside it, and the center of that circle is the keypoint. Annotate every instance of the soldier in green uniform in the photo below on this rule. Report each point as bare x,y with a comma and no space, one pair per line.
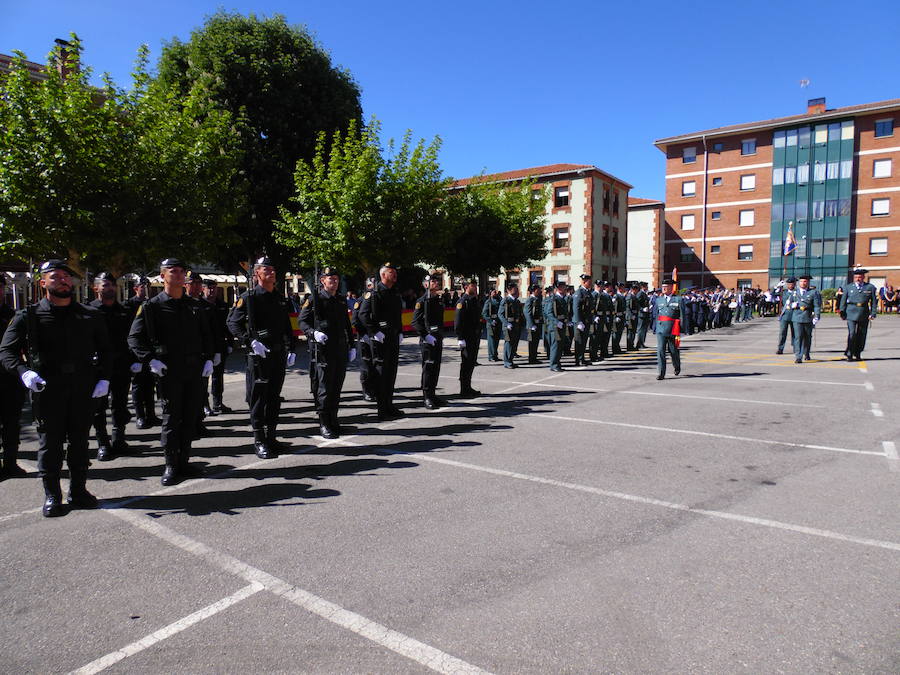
669,308
534,321
490,314
468,329
618,325
555,316
785,319
642,302
545,307
631,317
859,305
806,314
511,318
582,317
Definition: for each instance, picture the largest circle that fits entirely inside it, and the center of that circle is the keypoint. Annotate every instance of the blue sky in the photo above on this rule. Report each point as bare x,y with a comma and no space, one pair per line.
509,85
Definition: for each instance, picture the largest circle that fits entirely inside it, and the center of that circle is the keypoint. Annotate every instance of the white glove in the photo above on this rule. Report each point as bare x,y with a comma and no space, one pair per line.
815,320
596,319
509,326
158,367
795,305
580,326
136,368
207,368
259,348
291,358
101,389
534,328
217,359
378,337
461,343
430,339
571,324
400,338
33,381
559,324
320,337
351,357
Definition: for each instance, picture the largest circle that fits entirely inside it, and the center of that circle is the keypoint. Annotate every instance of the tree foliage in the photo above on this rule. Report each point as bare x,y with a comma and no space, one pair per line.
281,89
105,178
357,206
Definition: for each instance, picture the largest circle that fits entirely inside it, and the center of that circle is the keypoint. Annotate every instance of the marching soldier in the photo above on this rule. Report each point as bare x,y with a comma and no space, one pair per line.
468,329
582,317
618,324
260,320
381,314
603,307
490,314
221,344
195,292
631,318
642,302
324,321
511,318
556,317
428,322
118,323
569,332
60,348
534,321
545,307
807,313
365,349
171,336
786,318
143,384
12,398
669,310
859,305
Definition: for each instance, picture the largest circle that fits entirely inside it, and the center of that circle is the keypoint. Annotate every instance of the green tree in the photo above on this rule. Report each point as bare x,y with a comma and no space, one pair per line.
280,87
105,178
357,206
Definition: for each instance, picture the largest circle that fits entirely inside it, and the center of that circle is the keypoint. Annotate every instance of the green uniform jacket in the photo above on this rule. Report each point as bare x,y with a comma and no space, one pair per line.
809,304
668,306
859,303
511,313
788,298
582,307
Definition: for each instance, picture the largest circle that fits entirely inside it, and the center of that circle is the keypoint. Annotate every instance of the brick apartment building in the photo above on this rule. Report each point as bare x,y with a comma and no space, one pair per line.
587,213
732,194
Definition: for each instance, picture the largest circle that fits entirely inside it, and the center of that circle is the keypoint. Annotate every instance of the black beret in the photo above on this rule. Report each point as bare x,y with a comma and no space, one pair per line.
791,280
562,284
193,276
860,271
105,276
173,262
209,281
142,281
585,277
264,261
668,282
805,276
329,272
389,266
56,264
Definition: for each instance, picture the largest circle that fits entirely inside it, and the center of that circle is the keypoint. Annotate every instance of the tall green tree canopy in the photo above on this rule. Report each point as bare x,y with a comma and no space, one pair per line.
282,90
358,205
106,178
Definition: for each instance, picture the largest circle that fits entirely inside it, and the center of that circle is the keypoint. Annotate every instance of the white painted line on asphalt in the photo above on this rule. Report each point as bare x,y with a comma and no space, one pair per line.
522,384
401,644
869,386
876,410
890,451
750,520
105,662
708,434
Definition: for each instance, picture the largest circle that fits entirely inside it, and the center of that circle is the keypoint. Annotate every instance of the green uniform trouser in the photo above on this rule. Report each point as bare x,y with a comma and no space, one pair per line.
666,343
643,323
856,336
555,348
493,339
782,333
581,342
511,343
802,339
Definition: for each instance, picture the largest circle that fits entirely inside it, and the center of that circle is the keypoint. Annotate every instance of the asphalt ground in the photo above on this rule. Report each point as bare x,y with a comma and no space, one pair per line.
742,517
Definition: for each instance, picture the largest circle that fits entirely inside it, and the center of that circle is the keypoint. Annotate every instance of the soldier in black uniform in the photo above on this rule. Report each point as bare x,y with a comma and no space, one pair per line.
324,321
381,314
171,336
194,291
221,345
260,319
12,398
428,322
365,349
118,322
60,348
468,330
143,384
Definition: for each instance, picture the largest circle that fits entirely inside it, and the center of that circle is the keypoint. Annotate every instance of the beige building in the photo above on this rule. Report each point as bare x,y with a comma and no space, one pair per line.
587,213
646,226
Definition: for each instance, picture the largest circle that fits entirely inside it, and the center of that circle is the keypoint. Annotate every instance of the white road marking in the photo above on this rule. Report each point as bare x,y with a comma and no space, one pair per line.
869,386
890,451
516,385
397,642
706,433
876,410
105,662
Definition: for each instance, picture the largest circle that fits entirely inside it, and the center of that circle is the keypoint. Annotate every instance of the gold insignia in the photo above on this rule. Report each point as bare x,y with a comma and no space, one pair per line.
368,295
306,304
459,305
140,309
356,306
418,305
240,302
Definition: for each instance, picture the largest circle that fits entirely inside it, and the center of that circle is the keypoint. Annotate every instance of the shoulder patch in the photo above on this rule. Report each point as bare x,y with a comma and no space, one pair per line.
239,303
418,305
306,303
368,295
140,309
356,305
458,305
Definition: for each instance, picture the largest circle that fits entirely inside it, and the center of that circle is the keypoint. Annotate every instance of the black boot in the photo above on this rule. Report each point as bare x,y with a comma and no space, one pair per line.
185,468
325,426
104,450
9,467
79,497
119,446
273,442
261,444
53,503
170,474
431,402
335,425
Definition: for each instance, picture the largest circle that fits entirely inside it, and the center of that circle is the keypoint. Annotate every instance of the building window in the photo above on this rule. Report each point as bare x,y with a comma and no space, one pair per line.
687,254
605,200
745,283
717,181
746,217
878,246
803,136
616,203
778,139
615,273
689,188
778,176
718,147
717,215
536,277
748,182
745,251
688,221
615,242
748,146
881,168
819,172
803,174
560,197
606,238
715,248
884,128
881,207
790,174
561,237
560,275
688,155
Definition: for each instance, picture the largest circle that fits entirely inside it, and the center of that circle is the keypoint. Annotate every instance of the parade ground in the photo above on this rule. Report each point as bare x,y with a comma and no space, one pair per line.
739,518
